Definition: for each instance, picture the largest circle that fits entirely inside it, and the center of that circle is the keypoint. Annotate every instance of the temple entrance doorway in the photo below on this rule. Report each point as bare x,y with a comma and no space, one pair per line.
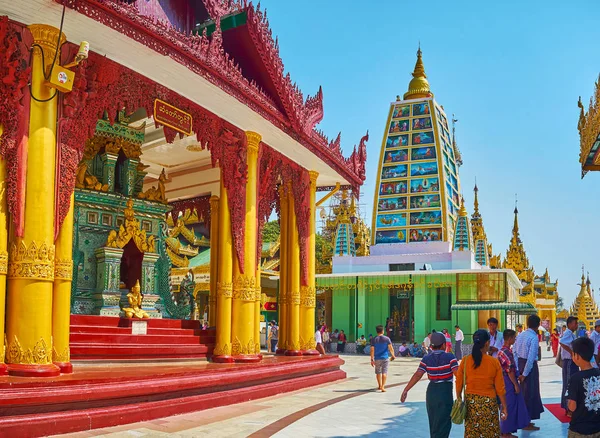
131,265
400,327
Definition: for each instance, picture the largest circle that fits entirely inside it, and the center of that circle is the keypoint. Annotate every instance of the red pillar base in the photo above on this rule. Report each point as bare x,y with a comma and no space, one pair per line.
310,353
247,358
293,353
20,370
222,359
65,367
3,369
280,351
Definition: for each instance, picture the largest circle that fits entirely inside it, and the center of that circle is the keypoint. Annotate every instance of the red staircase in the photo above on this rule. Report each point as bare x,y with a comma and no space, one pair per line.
110,337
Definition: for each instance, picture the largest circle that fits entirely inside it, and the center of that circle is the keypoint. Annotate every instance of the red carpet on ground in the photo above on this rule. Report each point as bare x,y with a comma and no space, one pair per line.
559,412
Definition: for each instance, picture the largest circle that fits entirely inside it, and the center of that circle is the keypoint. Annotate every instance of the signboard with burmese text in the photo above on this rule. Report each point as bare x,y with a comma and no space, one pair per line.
168,115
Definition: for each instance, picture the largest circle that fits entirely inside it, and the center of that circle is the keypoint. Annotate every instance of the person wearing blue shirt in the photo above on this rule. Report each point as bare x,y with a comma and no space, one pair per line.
382,351
526,353
568,366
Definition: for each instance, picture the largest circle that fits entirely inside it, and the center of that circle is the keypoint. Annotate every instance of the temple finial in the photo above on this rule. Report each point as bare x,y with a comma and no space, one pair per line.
476,201
418,86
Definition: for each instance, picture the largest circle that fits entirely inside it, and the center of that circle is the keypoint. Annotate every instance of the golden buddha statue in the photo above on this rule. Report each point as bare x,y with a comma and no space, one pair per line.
135,298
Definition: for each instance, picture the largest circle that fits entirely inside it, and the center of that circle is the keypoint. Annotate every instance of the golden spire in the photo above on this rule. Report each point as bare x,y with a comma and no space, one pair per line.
418,86
515,230
476,202
463,211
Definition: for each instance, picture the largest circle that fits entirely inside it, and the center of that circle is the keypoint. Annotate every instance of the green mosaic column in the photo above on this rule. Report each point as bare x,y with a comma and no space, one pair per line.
109,163
361,310
108,270
148,285
130,179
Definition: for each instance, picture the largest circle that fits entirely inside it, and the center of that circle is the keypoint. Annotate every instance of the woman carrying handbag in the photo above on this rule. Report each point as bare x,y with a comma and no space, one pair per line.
484,383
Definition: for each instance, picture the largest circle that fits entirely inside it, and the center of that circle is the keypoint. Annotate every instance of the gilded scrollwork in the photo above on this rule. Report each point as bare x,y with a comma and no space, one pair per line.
237,348
63,357
31,261
222,350
244,288
295,297
131,230
63,269
3,262
156,193
307,296
41,354
225,290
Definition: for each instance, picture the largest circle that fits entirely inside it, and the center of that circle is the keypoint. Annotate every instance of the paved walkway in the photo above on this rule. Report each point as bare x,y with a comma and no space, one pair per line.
339,409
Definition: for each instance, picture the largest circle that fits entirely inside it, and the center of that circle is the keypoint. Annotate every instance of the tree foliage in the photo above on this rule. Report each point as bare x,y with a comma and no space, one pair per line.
271,232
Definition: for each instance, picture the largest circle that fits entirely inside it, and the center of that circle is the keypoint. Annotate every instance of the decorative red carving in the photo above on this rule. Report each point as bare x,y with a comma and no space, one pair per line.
207,58
359,157
200,204
107,86
268,195
303,115
14,114
220,8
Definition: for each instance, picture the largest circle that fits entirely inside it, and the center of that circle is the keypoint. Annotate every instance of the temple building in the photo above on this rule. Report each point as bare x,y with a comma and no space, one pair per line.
584,307
589,132
417,197
421,271
539,291
144,144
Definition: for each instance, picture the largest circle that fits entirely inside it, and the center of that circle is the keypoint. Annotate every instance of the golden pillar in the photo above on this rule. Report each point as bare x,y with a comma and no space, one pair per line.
222,351
244,345
3,251
282,301
308,298
61,298
214,266
31,261
293,344
257,305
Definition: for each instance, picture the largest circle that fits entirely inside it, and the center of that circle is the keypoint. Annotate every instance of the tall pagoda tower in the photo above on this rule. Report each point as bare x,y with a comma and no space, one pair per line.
584,307
480,243
537,290
463,240
416,199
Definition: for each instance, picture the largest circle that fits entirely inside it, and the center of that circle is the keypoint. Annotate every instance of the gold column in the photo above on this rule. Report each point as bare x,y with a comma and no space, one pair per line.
283,270
293,345
257,305
214,265
31,264
61,299
308,299
3,252
244,346
222,351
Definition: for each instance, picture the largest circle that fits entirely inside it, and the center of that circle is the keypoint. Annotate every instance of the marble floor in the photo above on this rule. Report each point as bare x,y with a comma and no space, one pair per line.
348,408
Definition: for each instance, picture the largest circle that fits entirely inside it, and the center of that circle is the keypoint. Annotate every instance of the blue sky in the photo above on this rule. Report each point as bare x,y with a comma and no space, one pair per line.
511,71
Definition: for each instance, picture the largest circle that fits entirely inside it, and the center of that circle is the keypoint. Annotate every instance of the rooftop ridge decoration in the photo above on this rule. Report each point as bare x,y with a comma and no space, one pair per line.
589,131
304,115
206,57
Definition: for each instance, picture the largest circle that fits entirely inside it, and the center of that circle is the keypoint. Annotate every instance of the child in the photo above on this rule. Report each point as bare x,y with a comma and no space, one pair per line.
584,392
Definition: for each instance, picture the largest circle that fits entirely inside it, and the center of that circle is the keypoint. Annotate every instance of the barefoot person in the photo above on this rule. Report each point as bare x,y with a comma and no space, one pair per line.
382,351
526,354
518,417
440,368
484,385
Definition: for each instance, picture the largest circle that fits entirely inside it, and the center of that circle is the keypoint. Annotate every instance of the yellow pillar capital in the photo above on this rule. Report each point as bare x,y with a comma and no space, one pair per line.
46,36
313,175
254,139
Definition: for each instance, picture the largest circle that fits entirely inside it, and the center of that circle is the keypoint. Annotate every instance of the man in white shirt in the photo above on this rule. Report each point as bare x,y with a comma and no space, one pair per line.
459,337
568,366
496,338
427,343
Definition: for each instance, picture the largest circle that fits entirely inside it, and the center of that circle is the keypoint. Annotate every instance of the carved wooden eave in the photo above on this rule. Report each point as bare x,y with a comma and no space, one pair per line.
206,57
589,132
